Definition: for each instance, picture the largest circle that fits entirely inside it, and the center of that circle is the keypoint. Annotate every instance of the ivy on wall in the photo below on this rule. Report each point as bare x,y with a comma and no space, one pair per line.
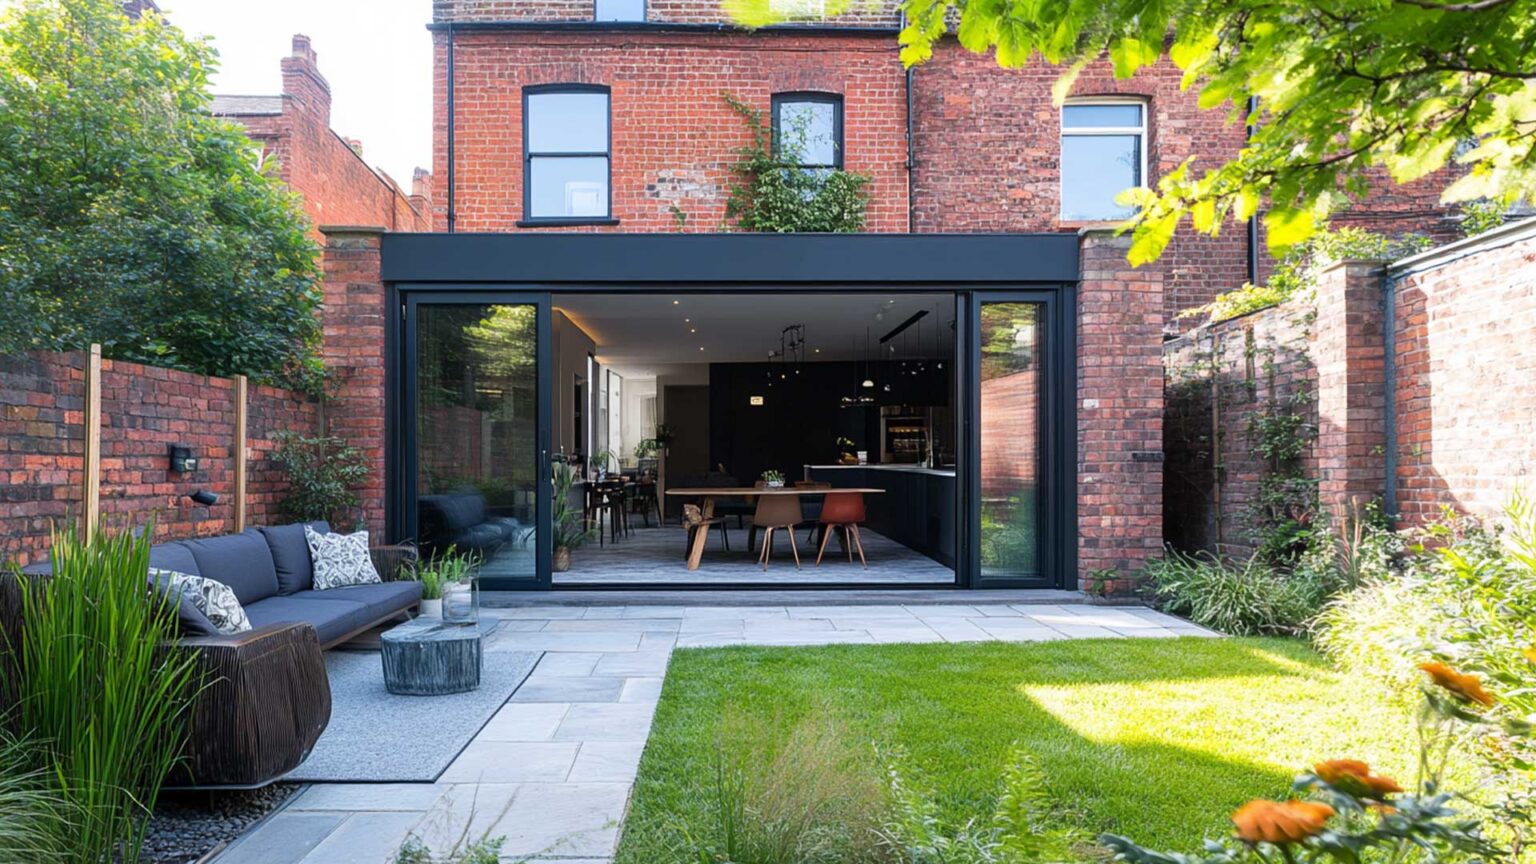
775,194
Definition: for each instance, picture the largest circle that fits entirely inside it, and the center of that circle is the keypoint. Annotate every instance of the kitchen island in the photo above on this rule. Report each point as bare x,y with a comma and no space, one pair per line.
917,509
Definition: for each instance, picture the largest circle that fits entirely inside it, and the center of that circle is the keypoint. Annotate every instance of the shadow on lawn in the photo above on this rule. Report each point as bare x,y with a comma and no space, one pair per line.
956,711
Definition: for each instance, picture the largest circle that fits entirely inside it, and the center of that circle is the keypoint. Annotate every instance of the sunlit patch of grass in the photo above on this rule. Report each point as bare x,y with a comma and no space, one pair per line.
1156,739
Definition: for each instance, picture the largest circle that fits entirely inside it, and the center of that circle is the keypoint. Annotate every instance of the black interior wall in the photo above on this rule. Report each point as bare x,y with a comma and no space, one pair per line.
801,417
686,412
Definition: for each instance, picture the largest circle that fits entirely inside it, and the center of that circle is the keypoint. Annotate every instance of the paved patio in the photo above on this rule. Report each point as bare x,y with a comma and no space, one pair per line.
552,771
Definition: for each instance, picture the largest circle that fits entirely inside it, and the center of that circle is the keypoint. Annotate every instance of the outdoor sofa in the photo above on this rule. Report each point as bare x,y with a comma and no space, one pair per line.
266,698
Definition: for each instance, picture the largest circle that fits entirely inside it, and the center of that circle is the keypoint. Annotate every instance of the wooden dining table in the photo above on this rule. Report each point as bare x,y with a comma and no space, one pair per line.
710,493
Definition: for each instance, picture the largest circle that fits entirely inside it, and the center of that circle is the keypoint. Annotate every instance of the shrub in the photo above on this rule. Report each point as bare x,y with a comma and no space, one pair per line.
323,476
777,195
105,701
34,818
806,797
1011,834
1242,599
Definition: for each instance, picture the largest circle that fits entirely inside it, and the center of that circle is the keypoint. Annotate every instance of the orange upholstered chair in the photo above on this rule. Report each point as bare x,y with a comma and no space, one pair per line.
843,510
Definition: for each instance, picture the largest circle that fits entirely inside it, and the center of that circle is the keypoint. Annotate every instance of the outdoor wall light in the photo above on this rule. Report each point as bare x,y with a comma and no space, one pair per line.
182,460
204,497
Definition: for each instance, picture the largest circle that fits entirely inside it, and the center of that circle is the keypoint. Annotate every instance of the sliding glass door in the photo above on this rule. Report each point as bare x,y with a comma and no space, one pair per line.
1013,379
476,439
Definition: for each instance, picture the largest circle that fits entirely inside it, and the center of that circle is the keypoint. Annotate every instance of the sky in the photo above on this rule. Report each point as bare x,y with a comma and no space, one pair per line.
376,54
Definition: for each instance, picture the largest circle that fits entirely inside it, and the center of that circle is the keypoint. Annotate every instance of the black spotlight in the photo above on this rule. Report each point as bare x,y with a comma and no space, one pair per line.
204,497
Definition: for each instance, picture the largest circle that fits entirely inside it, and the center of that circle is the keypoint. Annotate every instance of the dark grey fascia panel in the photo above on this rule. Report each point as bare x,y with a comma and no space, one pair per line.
712,259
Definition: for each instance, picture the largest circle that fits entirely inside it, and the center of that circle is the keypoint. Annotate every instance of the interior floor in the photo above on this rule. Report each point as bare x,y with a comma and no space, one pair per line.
656,555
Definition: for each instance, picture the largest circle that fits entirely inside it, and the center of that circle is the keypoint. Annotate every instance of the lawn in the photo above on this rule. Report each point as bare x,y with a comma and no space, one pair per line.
1155,739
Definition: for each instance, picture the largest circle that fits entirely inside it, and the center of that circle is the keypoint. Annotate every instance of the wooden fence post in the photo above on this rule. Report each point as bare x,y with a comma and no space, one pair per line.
239,453
90,517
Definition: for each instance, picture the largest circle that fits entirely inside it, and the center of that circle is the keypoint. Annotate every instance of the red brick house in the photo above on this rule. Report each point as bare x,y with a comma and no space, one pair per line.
334,184
984,343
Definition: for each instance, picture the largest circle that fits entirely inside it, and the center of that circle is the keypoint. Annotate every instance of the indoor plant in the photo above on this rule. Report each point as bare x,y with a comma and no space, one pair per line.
845,451
437,575
773,478
570,529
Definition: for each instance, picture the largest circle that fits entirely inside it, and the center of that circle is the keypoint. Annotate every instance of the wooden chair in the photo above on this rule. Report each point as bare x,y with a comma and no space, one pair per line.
694,522
843,510
810,506
777,512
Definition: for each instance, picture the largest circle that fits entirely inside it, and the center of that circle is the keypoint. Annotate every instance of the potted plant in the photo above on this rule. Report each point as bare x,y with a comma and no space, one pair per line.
845,451
569,526
439,575
772,478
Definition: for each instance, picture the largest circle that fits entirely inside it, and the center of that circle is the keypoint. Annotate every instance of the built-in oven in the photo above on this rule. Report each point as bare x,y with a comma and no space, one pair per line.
906,434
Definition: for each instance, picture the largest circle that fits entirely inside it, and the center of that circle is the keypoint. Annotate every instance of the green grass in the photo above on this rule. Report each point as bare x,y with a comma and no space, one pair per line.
1155,739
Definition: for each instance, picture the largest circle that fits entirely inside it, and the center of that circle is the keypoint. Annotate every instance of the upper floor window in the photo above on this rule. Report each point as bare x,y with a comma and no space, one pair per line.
619,10
1103,153
565,152
798,8
808,128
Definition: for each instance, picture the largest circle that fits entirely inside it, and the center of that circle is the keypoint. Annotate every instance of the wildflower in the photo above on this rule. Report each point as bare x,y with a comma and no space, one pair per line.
1530,653
1280,822
1353,777
1466,687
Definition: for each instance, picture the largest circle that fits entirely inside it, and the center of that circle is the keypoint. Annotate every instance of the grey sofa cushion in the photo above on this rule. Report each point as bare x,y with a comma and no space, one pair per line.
173,556
241,561
290,554
332,619
380,600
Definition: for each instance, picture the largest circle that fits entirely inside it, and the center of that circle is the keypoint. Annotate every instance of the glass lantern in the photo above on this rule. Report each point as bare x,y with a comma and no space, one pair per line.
461,602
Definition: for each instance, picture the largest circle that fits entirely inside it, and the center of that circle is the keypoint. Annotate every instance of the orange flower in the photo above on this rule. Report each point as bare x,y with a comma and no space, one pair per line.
1466,687
1353,777
1280,822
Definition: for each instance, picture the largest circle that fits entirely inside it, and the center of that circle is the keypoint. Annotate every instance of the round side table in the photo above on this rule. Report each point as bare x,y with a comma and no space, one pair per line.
429,658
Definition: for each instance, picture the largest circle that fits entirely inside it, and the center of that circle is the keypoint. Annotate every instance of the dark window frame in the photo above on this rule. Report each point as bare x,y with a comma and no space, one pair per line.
794,97
530,220
645,15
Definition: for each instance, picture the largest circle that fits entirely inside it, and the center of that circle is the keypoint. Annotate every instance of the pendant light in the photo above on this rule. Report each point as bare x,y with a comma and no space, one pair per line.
869,383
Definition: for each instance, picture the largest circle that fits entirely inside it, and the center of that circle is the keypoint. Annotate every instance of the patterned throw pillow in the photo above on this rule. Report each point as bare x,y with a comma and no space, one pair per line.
340,559
212,598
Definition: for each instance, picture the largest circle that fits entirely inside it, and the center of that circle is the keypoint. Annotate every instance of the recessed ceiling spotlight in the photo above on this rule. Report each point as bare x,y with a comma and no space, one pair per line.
674,302
818,350
701,347
692,330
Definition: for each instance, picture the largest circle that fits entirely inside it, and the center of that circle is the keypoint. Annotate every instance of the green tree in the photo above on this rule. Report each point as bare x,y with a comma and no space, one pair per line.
130,216
1344,88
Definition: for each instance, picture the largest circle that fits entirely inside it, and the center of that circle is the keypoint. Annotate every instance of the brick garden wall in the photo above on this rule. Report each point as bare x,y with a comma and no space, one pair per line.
144,410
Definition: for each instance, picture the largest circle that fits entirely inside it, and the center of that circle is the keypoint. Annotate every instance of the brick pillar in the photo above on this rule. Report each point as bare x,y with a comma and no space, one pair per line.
1349,351
353,352
1119,411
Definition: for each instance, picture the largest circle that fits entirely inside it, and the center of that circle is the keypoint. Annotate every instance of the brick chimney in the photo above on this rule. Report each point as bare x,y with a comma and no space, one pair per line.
303,83
421,185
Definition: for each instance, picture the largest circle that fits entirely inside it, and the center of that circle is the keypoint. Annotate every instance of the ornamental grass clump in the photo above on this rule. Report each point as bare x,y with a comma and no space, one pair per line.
99,693
1343,811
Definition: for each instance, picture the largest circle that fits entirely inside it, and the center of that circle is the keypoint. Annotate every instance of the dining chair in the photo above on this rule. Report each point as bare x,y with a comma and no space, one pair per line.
777,512
843,510
693,522
810,506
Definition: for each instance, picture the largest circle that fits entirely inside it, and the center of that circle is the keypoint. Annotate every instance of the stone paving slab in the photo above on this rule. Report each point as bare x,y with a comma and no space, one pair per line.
553,769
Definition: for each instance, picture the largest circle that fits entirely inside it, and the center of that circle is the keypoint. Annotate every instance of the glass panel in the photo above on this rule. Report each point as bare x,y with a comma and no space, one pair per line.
1011,345
809,129
620,10
568,186
1100,116
568,123
1094,169
476,435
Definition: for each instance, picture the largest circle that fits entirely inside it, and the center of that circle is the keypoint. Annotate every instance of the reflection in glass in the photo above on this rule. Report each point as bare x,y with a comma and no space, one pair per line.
476,438
808,131
568,122
1095,169
1089,115
568,186
1011,342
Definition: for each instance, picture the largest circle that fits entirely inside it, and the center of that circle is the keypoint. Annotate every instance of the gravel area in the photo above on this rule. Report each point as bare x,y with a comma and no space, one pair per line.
188,824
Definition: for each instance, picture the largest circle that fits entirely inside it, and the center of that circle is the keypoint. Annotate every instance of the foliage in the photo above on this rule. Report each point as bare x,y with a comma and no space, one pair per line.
1478,217
1015,832
1157,738
776,195
1344,89
34,818
801,795
1296,274
1241,599
104,699
323,475
569,525
132,217
1282,518
1349,814
482,851
772,475
446,568
1009,537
